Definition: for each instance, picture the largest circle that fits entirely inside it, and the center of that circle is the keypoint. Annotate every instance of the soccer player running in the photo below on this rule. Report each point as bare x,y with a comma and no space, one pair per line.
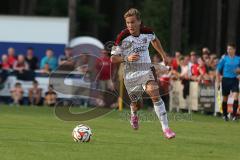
131,48
229,66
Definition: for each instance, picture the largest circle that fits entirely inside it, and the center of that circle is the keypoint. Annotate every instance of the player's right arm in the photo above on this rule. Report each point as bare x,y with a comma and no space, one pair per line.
117,50
118,56
117,53
119,59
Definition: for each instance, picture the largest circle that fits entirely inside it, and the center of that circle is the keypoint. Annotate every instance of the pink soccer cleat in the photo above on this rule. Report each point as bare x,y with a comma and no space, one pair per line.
168,133
134,122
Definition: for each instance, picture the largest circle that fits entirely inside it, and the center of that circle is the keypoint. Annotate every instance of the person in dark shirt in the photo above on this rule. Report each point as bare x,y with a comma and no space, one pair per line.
66,61
31,59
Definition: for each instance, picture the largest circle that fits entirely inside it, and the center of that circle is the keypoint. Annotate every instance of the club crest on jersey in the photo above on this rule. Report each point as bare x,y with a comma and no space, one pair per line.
126,45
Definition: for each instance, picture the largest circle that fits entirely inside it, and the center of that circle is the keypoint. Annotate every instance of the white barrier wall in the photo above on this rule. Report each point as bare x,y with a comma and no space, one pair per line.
34,29
201,98
43,83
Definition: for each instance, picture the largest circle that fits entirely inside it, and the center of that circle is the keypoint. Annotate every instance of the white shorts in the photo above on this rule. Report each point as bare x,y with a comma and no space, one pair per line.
135,90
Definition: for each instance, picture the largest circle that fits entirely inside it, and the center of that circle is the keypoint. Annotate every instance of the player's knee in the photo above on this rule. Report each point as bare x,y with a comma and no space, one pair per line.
225,98
155,99
134,105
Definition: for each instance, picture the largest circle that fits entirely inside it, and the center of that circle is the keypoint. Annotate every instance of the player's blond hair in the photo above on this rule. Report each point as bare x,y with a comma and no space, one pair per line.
133,12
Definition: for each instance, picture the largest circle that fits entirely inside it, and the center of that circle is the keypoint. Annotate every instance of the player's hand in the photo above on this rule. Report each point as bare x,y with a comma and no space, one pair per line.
237,70
133,57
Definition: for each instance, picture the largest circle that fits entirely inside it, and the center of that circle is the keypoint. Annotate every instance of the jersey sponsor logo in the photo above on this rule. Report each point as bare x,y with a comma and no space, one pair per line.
139,49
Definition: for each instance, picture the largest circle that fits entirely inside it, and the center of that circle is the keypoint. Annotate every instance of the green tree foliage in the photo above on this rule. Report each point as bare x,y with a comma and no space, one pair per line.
156,14
87,14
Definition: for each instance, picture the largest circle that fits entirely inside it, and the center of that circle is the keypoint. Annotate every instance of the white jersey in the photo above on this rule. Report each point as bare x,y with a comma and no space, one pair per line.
127,44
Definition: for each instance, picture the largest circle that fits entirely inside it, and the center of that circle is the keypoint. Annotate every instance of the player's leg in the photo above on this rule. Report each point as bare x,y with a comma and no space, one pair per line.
134,116
135,93
235,105
152,89
235,90
225,108
134,106
225,92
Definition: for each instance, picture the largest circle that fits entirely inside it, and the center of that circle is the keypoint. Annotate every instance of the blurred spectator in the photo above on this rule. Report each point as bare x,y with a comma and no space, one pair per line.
212,68
175,61
212,57
82,66
31,59
17,94
184,75
104,66
205,51
183,68
203,74
4,70
20,65
4,64
82,63
193,66
21,69
50,98
50,59
155,59
11,56
46,69
187,77
35,94
65,61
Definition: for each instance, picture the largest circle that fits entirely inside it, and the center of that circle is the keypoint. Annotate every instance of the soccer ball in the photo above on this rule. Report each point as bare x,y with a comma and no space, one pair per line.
82,133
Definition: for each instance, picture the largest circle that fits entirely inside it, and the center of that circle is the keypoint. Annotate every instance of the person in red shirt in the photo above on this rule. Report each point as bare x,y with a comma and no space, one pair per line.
203,77
199,71
20,65
175,61
4,64
104,67
11,56
195,70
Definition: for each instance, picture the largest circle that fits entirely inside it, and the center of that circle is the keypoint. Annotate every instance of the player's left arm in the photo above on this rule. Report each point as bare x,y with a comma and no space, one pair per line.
158,47
238,70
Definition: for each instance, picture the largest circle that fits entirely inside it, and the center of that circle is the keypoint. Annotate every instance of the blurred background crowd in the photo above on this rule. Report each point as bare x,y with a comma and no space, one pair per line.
186,67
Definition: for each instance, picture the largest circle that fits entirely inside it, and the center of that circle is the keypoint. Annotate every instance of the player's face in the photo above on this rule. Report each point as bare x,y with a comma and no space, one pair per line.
231,50
133,25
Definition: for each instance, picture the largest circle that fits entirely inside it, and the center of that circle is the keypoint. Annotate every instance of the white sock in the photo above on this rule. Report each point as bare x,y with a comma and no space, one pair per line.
132,111
160,110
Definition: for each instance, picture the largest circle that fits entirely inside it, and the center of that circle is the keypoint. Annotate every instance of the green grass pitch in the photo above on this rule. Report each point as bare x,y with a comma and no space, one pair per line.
35,133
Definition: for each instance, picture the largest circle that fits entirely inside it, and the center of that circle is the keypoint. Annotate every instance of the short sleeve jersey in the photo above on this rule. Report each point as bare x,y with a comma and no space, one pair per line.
127,44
